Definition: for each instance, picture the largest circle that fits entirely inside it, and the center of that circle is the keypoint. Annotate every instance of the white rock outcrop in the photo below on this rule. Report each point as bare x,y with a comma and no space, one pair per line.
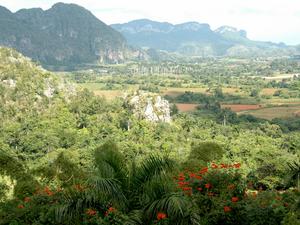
150,107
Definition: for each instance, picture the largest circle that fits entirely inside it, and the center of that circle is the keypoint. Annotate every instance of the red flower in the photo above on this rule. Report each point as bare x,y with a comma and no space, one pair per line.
199,189
208,186
181,178
224,166
48,191
111,209
214,166
204,170
27,199
234,199
91,212
182,183
237,165
161,216
186,188
227,209
198,177
192,175
21,206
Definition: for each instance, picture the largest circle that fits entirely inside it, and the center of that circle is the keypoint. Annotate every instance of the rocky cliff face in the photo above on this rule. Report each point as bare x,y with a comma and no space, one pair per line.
150,107
66,34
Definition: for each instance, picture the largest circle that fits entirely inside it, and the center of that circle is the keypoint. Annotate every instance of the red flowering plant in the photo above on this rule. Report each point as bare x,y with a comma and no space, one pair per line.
213,180
161,218
271,205
217,188
102,215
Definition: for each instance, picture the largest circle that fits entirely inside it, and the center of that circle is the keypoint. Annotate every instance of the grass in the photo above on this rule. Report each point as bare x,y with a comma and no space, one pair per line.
92,86
174,91
99,90
270,91
275,112
109,94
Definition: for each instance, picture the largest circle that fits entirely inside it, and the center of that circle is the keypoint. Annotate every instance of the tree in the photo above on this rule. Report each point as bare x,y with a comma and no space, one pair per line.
202,153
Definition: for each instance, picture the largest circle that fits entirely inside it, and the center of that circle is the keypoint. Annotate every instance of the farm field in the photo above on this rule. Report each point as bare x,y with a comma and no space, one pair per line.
268,109
182,107
270,91
280,77
240,107
258,110
92,86
109,94
274,112
173,91
186,107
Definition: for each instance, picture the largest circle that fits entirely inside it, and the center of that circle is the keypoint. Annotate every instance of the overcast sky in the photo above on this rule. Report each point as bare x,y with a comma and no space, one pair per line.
266,20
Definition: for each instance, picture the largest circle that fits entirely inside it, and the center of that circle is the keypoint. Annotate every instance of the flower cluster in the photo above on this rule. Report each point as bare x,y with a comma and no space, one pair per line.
48,191
161,216
110,210
192,182
26,200
216,182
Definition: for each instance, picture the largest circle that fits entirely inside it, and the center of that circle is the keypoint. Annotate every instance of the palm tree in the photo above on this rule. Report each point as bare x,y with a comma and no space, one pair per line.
139,191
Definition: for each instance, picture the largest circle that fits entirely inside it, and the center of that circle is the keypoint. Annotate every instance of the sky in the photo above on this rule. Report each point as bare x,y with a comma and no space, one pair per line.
264,20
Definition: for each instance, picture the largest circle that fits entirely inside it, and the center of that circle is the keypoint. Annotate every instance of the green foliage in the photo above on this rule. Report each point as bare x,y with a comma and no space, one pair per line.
202,153
81,159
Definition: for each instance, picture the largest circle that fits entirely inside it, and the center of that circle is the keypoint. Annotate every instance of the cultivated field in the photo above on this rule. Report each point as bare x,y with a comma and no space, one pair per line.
239,108
275,112
186,107
109,94
173,91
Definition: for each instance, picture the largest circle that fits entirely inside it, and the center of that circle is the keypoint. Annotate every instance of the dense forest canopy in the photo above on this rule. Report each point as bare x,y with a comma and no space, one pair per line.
68,156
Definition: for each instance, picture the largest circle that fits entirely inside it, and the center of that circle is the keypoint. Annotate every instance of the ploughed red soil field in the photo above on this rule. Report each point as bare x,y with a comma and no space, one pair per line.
182,107
239,108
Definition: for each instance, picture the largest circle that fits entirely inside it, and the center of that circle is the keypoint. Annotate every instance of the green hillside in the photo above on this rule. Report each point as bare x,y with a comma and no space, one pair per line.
70,157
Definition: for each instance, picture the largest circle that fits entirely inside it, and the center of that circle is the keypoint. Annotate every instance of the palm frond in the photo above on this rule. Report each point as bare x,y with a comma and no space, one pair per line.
100,192
159,185
108,188
150,167
110,162
73,205
134,217
174,205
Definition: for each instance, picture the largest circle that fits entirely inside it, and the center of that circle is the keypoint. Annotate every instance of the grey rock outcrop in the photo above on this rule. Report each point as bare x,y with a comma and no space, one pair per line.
150,107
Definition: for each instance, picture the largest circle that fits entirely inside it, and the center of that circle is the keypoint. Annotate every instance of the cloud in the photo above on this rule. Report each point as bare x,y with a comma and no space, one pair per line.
276,20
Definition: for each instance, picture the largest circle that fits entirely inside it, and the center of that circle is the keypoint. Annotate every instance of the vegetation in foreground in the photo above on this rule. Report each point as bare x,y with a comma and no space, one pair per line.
158,191
59,165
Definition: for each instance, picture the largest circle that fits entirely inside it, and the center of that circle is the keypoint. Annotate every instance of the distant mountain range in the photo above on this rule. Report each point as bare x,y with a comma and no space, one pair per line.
65,34
68,34
196,39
